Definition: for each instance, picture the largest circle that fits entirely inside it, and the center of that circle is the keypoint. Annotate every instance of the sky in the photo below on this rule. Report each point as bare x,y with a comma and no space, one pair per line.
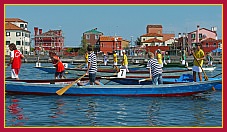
127,21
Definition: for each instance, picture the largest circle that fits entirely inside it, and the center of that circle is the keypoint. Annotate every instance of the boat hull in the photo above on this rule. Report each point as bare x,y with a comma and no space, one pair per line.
182,89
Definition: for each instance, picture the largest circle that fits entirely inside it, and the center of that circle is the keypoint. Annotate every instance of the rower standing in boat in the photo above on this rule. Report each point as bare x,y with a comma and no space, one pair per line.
155,69
124,62
168,57
105,59
199,55
209,59
60,69
92,66
86,59
159,57
115,60
15,61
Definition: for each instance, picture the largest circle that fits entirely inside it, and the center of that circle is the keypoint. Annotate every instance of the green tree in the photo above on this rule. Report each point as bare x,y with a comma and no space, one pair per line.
83,48
138,41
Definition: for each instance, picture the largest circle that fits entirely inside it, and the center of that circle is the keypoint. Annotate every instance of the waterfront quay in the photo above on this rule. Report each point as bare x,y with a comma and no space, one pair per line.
80,59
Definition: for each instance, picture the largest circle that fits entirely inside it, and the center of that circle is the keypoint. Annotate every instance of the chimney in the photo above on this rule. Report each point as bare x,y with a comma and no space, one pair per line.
197,34
40,31
36,30
179,35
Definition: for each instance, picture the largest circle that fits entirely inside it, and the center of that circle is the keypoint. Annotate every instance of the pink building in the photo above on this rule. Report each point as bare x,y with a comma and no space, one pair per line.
201,34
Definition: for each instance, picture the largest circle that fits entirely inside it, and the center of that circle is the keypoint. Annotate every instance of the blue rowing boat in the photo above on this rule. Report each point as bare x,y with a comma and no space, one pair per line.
184,78
46,88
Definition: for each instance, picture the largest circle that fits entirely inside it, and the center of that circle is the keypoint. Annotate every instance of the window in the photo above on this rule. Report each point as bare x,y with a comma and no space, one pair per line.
207,45
7,33
17,42
200,36
18,33
96,36
215,44
193,36
21,25
7,42
87,36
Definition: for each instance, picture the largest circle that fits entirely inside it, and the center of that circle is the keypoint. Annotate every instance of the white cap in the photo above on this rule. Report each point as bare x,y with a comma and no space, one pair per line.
123,50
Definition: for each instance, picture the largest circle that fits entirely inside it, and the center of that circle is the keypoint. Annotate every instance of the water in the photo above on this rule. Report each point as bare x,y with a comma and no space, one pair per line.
110,111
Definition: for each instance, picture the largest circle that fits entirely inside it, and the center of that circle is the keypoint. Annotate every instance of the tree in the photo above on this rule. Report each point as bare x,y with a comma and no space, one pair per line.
83,48
138,41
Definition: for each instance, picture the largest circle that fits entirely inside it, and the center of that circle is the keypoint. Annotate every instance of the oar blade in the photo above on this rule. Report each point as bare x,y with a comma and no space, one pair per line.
206,78
64,89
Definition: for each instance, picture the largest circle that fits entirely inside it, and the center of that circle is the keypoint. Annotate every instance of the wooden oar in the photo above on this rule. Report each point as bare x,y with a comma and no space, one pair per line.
146,79
205,75
79,66
216,75
64,89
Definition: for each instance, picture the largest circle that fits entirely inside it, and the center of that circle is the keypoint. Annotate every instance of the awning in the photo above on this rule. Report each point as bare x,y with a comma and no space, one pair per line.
217,50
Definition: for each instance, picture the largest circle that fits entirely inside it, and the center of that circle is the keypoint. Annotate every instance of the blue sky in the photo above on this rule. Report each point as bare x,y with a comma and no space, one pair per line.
122,20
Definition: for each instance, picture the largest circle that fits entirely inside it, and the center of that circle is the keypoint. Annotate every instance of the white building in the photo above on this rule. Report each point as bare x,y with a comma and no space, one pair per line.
16,31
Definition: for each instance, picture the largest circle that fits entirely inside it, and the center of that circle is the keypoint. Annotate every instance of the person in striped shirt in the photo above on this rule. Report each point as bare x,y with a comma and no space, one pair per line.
155,69
92,66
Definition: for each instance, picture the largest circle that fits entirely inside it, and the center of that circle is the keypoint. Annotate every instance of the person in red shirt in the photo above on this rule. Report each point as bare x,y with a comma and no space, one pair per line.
60,69
15,61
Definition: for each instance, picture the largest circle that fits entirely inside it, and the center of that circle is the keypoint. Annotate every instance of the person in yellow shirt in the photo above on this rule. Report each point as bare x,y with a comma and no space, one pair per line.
86,59
124,62
159,57
199,55
115,60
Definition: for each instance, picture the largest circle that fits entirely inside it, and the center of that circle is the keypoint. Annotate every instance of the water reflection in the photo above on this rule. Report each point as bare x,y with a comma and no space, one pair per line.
152,113
57,108
16,112
199,109
91,113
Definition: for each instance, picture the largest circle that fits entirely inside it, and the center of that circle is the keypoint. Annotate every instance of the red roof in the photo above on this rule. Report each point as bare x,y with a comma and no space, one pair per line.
10,26
14,20
151,35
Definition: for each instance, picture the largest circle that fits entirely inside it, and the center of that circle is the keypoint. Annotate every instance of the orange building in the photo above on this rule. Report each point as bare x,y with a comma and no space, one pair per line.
108,44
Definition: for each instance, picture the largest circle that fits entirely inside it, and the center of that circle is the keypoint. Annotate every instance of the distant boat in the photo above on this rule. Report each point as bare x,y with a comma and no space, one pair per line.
107,70
206,68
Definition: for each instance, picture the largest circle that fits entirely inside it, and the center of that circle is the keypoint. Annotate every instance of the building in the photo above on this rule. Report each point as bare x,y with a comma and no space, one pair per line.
51,40
108,44
156,37
16,31
92,36
208,38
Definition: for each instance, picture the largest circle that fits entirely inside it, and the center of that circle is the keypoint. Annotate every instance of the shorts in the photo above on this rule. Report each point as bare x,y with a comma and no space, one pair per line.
59,74
115,63
196,69
14,73
92,77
